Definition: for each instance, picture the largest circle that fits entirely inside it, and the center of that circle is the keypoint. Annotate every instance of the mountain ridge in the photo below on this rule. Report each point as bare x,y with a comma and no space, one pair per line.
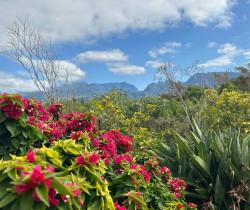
90,90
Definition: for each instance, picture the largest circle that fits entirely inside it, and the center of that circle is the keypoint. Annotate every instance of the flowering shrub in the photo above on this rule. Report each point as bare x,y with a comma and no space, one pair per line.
80,167
16,136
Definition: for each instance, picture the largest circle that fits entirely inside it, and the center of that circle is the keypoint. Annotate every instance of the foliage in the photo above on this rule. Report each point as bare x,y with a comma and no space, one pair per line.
228,109
16,136
49,178
215,165
81,167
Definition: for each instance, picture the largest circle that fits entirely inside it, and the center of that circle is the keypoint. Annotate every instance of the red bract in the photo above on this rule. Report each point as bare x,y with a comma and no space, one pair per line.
142,171
94,158
55,110
123,158
37,176
11,106
80,160
165,170
30,156
119,207
179,206
192,205
52,197
177,185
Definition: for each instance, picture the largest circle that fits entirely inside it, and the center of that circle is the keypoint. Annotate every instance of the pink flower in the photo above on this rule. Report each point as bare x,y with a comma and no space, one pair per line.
11,109
119,207
165,170
192,205
30,156
94,158
52,197
37,176
21,188
80,160
77,193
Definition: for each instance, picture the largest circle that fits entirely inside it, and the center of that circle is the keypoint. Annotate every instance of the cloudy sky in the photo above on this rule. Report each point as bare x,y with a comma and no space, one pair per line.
115,41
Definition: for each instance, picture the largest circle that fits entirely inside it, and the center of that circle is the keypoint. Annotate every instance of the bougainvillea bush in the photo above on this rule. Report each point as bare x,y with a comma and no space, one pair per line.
62,161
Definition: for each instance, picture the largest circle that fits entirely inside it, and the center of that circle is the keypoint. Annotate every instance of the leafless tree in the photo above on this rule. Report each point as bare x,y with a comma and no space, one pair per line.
173,74
37,57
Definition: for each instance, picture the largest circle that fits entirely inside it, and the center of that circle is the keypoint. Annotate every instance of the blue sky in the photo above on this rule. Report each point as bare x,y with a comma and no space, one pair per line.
116,41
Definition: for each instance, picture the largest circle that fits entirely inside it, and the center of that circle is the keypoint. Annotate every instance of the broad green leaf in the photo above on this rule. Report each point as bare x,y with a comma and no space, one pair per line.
2,117
219,191
26,202
42,193
11,126
200,164
7,199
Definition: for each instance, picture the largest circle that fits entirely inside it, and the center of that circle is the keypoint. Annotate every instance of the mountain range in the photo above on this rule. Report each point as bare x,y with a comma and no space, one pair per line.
90,90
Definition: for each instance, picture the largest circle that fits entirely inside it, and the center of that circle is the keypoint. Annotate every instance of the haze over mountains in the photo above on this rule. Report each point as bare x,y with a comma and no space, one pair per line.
90,90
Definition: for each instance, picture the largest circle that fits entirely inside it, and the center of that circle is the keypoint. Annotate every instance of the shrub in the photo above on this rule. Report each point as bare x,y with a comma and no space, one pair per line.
16,136
80,167
215,165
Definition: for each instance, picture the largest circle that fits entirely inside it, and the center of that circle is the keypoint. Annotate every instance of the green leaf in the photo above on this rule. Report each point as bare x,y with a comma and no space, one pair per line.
11,126
2,117
7,199
60,187
42,193
15,205
40,206
219,191
94,204
13,174
200,164
3,188
26,202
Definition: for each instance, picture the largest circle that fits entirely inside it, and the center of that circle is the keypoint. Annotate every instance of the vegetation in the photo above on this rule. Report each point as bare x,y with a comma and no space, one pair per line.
113,152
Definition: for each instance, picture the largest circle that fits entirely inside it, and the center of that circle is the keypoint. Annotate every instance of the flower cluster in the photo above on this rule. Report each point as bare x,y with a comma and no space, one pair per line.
110,147
11,105
177,186
31,181
114,147
92,158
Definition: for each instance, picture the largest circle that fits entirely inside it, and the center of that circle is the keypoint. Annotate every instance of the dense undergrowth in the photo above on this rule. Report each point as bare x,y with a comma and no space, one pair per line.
211,155
52,160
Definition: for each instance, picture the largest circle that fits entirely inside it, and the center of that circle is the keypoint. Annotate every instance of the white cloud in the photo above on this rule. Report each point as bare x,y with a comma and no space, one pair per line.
114,55
122,68
154,63
67,20
212,44
12,83
227,52
20,80
168,47
64,67
74,73
247,54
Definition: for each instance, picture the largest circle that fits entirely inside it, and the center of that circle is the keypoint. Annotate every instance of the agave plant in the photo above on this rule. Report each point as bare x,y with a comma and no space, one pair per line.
216,166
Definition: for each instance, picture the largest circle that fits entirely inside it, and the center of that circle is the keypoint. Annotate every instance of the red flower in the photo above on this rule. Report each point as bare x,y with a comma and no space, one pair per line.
192,205
94,158
52,197
119,207
165,170
179,206
21,188
37,176
77,193
30,156
80,160
11,110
